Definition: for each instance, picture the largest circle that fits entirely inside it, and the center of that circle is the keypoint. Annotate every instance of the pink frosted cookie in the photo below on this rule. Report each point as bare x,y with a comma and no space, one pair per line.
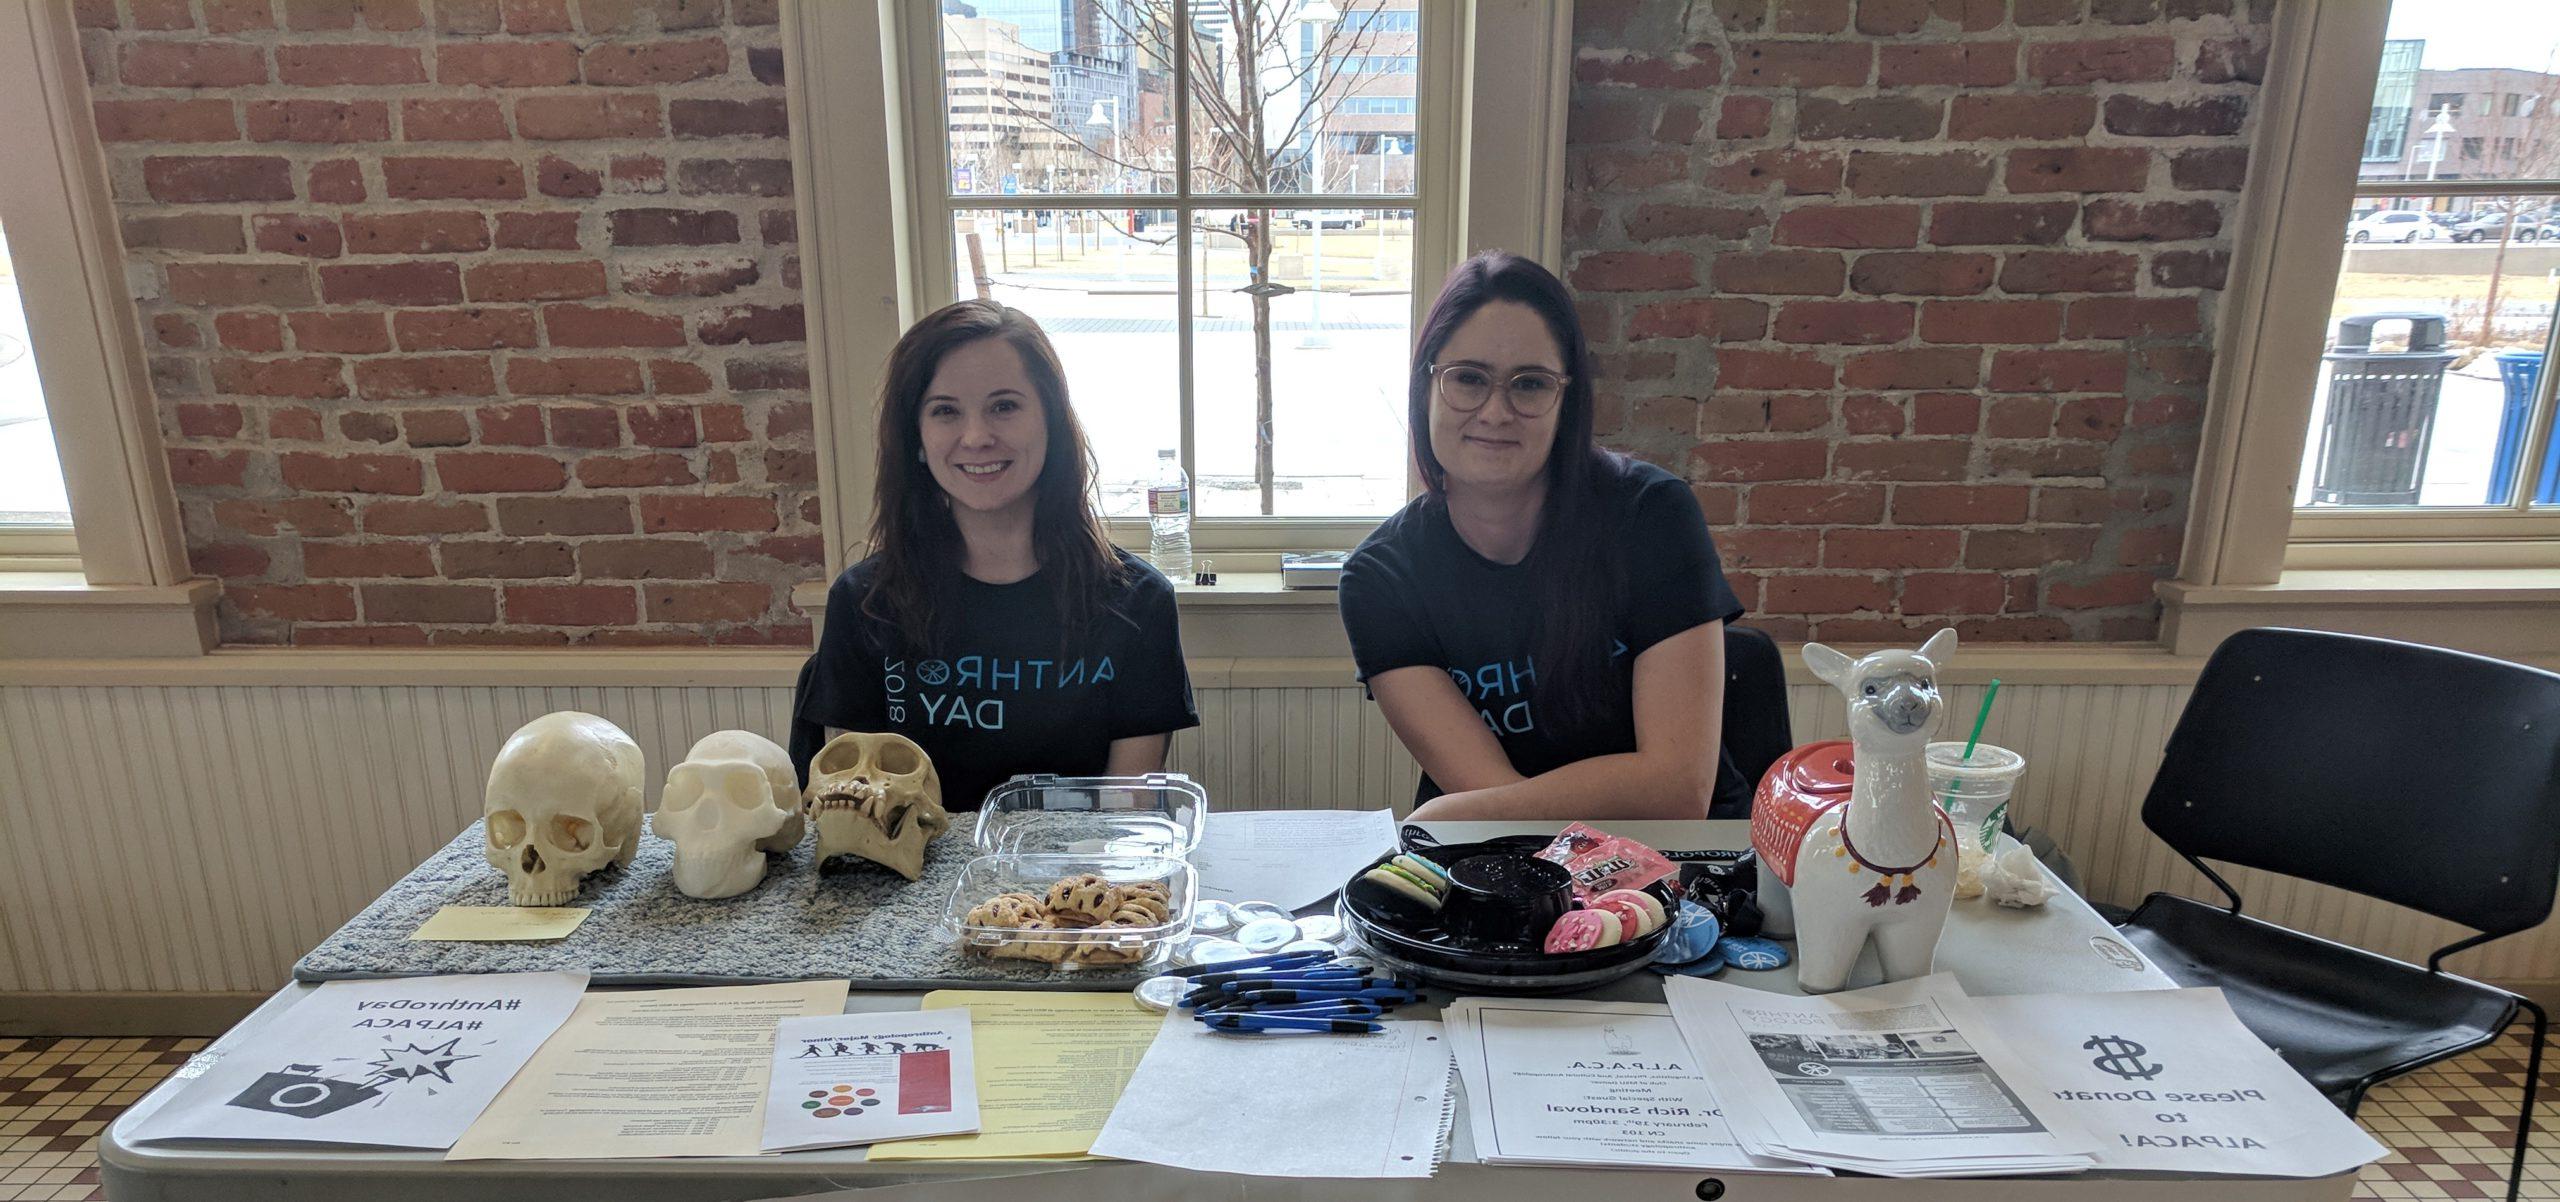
1583,930
1639,912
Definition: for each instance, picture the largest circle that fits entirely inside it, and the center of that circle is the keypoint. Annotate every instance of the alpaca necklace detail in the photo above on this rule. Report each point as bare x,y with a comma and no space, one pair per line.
1906,892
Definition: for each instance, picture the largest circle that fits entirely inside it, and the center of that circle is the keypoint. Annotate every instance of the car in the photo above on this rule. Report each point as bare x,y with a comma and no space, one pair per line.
2490,227
2394,225
1332,219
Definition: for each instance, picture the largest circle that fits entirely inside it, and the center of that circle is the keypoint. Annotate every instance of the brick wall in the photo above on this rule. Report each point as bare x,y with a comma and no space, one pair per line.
1919,292
472,321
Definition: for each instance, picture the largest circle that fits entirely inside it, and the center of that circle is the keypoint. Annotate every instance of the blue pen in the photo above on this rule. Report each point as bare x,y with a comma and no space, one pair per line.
1317,973
1319,1010
1259,996
1275,1022
1345,981
1272,960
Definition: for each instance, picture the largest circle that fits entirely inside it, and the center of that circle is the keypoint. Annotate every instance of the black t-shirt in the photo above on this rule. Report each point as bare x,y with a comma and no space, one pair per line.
1004,693
1416,594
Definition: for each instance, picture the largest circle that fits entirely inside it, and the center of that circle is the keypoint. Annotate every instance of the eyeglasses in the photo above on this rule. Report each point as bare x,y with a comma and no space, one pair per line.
1466,387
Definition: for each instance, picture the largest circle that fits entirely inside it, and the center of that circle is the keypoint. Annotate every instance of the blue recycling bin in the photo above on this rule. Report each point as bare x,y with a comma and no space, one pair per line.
2520,371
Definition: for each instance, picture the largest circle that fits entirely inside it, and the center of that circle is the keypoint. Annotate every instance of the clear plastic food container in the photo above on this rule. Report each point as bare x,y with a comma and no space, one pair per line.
1159,814
1105,924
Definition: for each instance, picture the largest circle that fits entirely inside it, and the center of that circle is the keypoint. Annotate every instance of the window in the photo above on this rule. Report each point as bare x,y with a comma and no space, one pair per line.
2447,103
2471,148
2511,104
33,500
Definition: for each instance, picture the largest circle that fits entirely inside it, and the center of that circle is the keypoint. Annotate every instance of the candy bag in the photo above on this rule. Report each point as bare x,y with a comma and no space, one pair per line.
1600,861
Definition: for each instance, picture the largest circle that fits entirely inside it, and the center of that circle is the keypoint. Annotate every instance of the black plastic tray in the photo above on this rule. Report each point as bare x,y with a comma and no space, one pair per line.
1428,952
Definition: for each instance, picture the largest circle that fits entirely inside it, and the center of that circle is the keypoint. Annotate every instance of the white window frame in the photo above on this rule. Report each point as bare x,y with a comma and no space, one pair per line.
120,584
2488,580
874,260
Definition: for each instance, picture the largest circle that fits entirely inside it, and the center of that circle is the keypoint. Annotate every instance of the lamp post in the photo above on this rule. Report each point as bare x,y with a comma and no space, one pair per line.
2437,131
1117,175
1316,15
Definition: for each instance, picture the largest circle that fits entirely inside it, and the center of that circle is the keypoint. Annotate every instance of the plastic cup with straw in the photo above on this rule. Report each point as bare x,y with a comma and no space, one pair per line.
1947,802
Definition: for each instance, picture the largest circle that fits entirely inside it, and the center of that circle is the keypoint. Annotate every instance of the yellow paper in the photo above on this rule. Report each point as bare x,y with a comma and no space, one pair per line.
1050,1068
655,1072
501,924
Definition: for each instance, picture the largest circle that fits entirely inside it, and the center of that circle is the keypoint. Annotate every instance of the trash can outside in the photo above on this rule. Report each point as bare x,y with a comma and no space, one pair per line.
2382,412
2520,371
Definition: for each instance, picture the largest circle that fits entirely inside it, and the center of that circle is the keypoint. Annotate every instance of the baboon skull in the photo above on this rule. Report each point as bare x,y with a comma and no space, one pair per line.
564,801
875,796
723,808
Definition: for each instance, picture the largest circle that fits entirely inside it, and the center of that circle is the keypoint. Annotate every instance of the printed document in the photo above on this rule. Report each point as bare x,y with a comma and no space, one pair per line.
1050,1066
2168,1080
649,1072
1290,858
1899,1080
1374,1105
401,1064
1560,1081
844,1079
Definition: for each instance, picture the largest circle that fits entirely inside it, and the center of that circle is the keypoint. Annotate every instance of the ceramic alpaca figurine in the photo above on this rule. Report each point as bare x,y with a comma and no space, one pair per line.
1880,864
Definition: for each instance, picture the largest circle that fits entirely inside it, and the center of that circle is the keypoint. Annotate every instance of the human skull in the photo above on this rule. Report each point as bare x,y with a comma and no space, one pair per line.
564,801
722,808
875,796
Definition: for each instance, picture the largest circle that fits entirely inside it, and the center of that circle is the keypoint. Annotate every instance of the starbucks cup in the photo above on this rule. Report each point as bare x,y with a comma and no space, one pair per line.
1975,794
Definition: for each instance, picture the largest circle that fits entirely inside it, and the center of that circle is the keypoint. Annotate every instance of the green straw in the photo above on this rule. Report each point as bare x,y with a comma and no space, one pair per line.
1976,740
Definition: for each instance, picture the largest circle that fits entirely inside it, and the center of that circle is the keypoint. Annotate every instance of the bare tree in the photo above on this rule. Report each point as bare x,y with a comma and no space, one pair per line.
2535,132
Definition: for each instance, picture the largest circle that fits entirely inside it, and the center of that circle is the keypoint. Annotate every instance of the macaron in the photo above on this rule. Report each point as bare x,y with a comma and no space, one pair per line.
1396,894
1584,930
1429,875
1639,910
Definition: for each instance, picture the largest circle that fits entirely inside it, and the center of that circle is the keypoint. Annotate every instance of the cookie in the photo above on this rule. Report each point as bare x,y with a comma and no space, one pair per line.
1639,911
1394,894
1582,931
1006,910
1083,896
1046,951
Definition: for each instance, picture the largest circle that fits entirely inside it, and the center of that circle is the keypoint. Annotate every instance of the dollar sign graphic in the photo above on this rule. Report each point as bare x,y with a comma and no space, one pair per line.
2121,1056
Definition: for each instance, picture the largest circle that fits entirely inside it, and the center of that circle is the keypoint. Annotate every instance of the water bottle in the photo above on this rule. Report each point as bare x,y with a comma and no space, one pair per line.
1169,512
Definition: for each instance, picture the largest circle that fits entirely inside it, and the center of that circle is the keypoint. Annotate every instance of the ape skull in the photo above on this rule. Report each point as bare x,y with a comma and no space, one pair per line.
723,807
875,796
564,801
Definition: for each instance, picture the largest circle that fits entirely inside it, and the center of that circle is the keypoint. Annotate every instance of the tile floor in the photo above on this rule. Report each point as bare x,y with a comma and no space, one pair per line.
2450,1127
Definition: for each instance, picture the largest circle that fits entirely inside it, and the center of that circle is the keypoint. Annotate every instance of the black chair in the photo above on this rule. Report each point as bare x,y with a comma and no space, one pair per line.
1755,705
2423,777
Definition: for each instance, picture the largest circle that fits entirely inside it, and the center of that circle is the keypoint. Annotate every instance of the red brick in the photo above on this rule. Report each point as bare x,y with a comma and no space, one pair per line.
1630,271
507,64
2030,322
2001,223
1734,412
1869,118
1959,504
573,377
538,231
319,120
1797,172
216,179
329,332
1769,549
809,549
1856,227
499,471
2151,221
536,16
2079,169
2202,117
639,173
209,421
235,16
521,281
1650,72
198,233
673,227
658,470
289,234
697,603
556,176
641,64
197,466
425,517
1901,459
1952,593
2069,271
420,283
1741,117
675,377
2110,60
285,283
394,474
759,324
1921,273
318,517
308,379
571,605
510,425
1808,593
645,559
452,121
447,603
2231,60
231,561
338,181
428,178
1780,272
663,426
1817,64
162,14
165,121
605,325
339,561
1742,461
412,378
251,333
435,427
467,16
1816,504
293,423
1855,548
1812,16
728,118
752,375
2041,116
294,602
2191,268
1771,370
2049,460
585,427
1945,412
1844,323
577,116
334,64
510,560
2134,317
2120,588
434,233
365,426
1931,367
2179,364
1943,173
2150,547
176,330
1892,17
772,177
2213,169
2093,418
1861,413
1961,64
1728,319
1653,222
663,514
688,277
190,64
472,329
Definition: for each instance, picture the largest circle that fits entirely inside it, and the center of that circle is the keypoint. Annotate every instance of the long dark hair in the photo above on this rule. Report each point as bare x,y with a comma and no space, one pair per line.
1579,576
912,533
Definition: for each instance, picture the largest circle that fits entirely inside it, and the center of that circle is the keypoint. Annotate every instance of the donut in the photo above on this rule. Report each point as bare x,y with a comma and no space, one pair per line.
1582,931
1083,896
1640,912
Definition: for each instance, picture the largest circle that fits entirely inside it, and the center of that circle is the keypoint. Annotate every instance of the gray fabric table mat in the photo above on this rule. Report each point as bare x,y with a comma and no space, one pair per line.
867,924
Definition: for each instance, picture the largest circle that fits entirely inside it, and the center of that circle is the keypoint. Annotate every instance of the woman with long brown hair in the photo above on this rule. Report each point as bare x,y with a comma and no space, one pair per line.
1544,626
994,623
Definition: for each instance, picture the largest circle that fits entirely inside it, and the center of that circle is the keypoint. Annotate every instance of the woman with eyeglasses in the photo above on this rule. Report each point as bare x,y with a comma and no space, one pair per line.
1544,626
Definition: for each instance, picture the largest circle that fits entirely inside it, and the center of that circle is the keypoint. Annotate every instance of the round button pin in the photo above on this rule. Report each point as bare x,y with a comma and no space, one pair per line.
1266,934
1160,993
1219,951
1322,928
1248,911
1306,945
1213,918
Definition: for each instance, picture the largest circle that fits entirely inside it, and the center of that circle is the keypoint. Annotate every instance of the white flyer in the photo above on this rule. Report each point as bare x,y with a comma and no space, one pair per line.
1898,1080
843,1079
1291,858
398,1064
2167,1080
1564,1081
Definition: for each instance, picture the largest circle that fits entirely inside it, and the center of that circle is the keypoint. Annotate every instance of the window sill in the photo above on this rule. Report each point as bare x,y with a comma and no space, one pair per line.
62,615
2509,612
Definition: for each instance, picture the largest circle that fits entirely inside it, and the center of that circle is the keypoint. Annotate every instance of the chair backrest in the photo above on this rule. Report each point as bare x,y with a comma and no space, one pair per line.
1755,702
2420,776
